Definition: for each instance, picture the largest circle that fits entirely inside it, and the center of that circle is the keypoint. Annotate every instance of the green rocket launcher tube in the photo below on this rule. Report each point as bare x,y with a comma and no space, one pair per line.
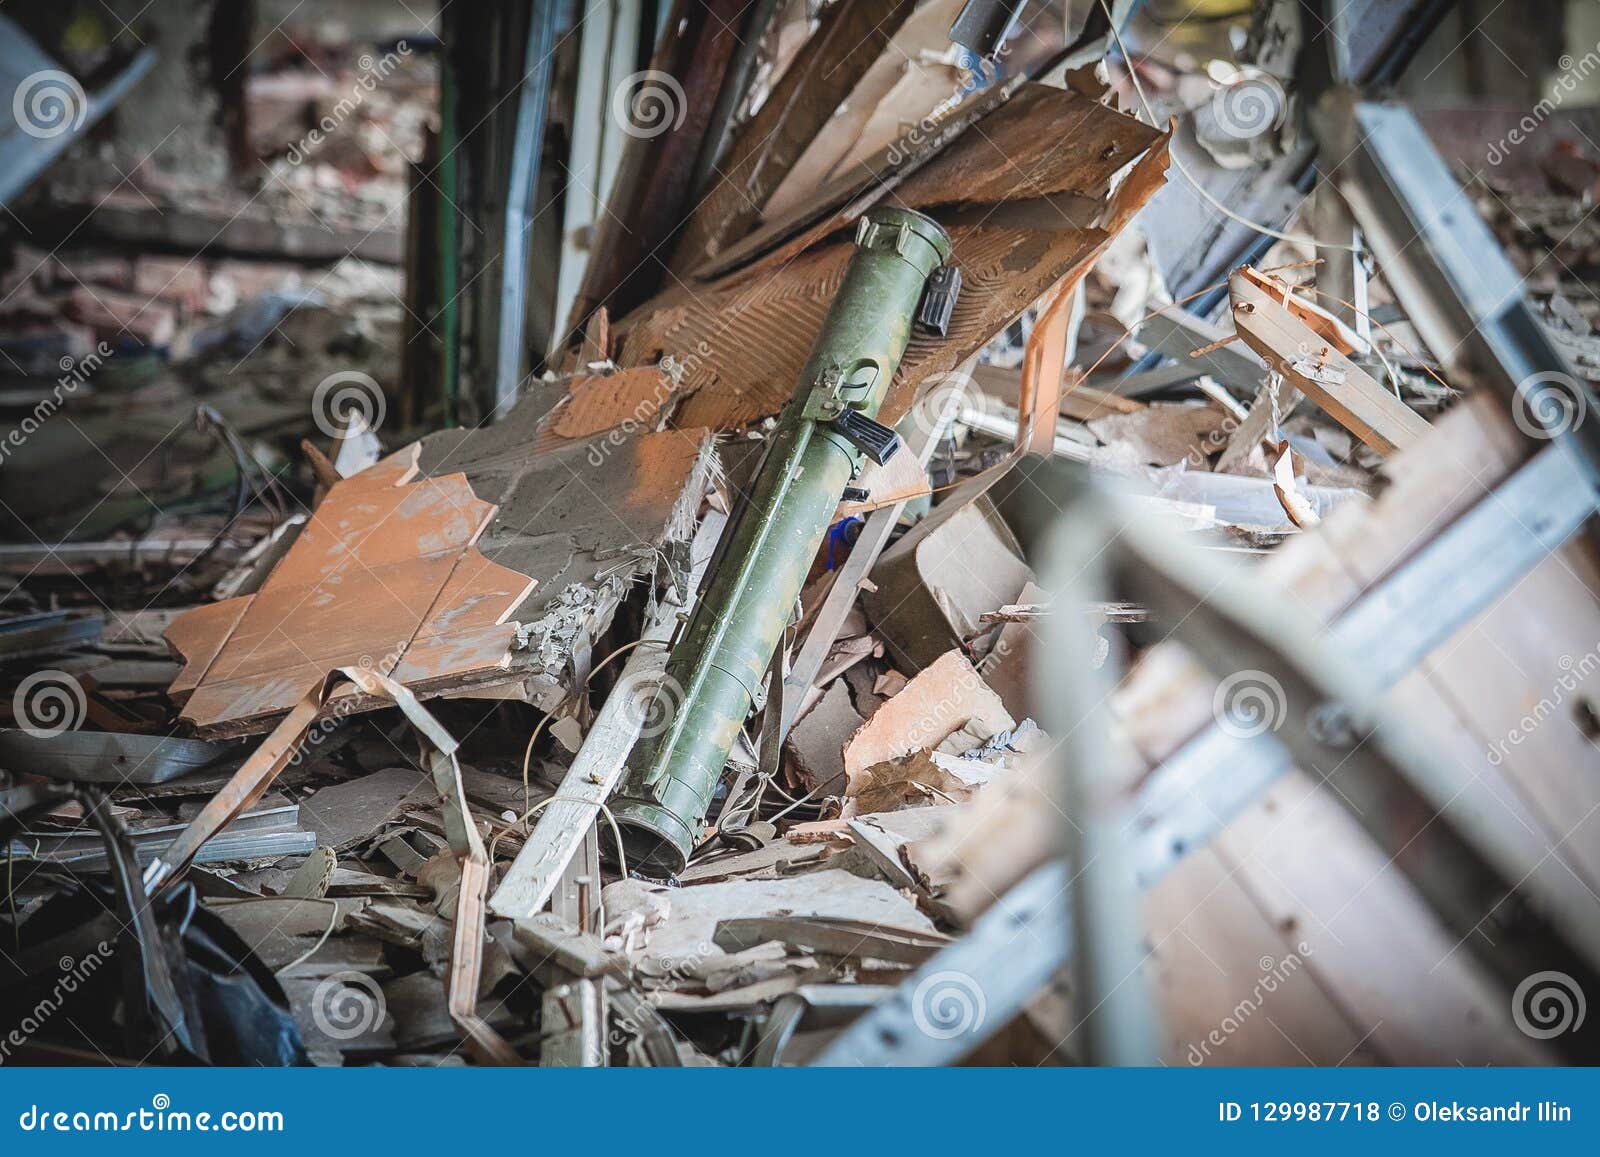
714,674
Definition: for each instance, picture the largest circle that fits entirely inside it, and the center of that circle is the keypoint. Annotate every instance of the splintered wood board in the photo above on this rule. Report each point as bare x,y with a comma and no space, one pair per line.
1213,955
572,508
907,82
600,402
1404,988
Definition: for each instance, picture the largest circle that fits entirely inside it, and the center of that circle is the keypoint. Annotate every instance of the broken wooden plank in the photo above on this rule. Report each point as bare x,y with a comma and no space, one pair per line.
472,862
937,169
852,35
583,517
599,402
601,760
544,938
830,936
908,82
247,785
699,47
815,745
686,937
1167,700
1314,366
1239,456
1210,946
573,1023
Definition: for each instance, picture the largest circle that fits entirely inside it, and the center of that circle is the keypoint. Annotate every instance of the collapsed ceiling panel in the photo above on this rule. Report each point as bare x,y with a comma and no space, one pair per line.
590,497
386,574
407,568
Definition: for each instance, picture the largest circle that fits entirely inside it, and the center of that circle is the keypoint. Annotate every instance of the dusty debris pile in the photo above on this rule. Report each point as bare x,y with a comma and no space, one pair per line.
940,601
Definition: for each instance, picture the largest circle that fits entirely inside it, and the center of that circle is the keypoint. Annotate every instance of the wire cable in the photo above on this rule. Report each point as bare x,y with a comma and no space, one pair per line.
1205,195
616,834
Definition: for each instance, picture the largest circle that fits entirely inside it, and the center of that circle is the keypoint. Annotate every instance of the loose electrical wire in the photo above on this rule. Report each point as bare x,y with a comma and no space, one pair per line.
1177,162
